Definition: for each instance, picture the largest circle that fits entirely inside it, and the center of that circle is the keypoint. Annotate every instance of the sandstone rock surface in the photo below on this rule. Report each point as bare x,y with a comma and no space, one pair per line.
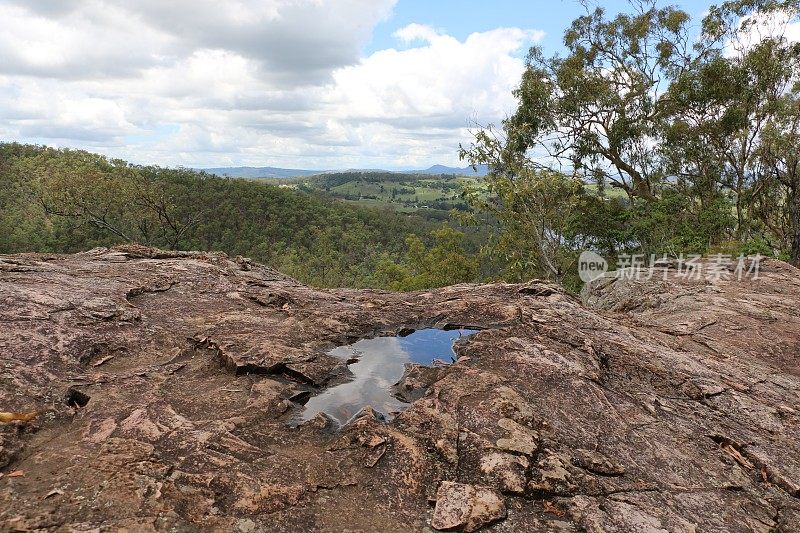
466,508
165,381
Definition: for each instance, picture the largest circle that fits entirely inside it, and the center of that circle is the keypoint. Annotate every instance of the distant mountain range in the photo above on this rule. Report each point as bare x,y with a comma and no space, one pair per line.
274,172
481,170
260,172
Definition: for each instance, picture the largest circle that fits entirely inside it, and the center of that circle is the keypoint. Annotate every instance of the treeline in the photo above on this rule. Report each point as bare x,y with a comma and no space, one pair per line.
71,200
336,179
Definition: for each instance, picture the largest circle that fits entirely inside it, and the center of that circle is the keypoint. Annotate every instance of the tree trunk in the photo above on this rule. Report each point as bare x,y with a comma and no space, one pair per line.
794,221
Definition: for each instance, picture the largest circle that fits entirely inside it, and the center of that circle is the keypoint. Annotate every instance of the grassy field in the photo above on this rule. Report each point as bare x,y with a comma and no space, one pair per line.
400,192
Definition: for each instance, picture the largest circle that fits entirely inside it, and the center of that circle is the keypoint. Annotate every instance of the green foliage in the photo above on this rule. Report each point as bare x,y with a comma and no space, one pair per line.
753,247
675,223
23,223
537,213
446,262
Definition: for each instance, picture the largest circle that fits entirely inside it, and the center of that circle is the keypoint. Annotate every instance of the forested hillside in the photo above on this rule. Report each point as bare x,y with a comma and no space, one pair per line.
66,201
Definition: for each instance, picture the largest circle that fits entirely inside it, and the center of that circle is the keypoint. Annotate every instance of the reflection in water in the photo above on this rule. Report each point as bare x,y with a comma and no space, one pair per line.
380,364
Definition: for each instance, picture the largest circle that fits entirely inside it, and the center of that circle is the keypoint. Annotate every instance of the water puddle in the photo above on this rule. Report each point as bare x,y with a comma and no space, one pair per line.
377,364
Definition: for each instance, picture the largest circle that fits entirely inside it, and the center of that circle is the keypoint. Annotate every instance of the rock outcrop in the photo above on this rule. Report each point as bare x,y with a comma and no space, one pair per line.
154,391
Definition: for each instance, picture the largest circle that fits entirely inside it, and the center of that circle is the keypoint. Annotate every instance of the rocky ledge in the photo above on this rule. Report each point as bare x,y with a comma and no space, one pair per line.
154,391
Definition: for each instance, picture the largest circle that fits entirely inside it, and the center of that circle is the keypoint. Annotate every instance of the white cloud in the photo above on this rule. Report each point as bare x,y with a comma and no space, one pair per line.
97,41
753,29
277,82
414,32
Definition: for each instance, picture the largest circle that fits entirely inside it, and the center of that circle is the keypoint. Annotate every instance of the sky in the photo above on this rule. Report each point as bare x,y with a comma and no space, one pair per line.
311,84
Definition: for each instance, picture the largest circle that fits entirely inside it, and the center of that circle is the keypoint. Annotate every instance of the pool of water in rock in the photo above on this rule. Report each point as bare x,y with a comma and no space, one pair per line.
377,364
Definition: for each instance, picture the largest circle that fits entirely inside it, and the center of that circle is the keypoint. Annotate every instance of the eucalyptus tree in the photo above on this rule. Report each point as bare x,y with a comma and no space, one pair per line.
86,188
778,201
699,129
597,111
148,205
723,103
593,115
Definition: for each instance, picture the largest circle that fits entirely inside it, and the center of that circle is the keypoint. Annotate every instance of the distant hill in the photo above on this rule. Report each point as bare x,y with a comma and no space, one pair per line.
260,172
274,172
481,170
430,193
